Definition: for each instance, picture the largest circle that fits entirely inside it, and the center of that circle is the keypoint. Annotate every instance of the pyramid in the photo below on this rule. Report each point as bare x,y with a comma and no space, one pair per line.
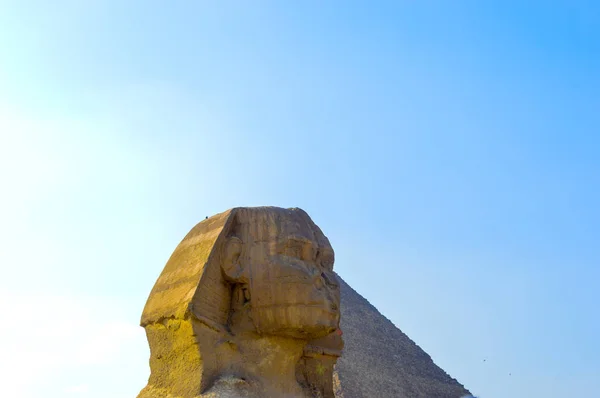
379,360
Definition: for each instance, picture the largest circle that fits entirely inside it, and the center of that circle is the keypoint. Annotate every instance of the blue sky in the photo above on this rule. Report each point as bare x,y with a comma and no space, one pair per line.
450,151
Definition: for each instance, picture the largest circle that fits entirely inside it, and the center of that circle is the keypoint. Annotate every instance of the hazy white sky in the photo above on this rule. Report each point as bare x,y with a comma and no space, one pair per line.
449,152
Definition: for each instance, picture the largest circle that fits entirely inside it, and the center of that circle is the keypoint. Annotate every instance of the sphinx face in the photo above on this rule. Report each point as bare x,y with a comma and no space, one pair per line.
292,289
292,293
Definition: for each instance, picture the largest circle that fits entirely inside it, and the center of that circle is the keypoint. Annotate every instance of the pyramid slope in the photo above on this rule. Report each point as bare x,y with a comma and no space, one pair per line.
381,361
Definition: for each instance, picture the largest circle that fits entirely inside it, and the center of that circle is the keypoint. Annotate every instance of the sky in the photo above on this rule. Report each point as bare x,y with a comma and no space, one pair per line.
450,150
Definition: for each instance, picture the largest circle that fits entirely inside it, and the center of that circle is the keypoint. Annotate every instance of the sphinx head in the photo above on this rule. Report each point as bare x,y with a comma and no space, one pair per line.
280,266
238,282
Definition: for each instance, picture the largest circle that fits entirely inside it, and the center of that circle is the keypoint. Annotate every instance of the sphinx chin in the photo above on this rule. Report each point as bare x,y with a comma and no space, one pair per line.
301,323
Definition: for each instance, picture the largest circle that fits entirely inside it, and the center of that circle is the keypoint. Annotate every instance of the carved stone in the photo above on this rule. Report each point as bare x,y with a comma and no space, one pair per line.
247,306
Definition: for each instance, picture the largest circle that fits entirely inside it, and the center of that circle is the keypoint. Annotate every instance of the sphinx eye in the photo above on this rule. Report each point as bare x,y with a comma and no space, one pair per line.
293,250
319,282
309,253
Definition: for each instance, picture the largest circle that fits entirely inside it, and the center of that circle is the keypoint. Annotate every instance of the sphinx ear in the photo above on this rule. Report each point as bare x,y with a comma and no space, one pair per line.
231,265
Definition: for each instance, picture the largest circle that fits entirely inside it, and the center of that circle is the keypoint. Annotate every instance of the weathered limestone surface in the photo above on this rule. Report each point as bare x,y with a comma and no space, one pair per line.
248,305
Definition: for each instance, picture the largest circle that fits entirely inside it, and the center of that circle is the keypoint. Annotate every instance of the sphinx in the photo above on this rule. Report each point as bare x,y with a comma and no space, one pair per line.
246,306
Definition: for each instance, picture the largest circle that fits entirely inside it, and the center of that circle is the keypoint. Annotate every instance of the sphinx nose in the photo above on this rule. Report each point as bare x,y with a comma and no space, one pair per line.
330,281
